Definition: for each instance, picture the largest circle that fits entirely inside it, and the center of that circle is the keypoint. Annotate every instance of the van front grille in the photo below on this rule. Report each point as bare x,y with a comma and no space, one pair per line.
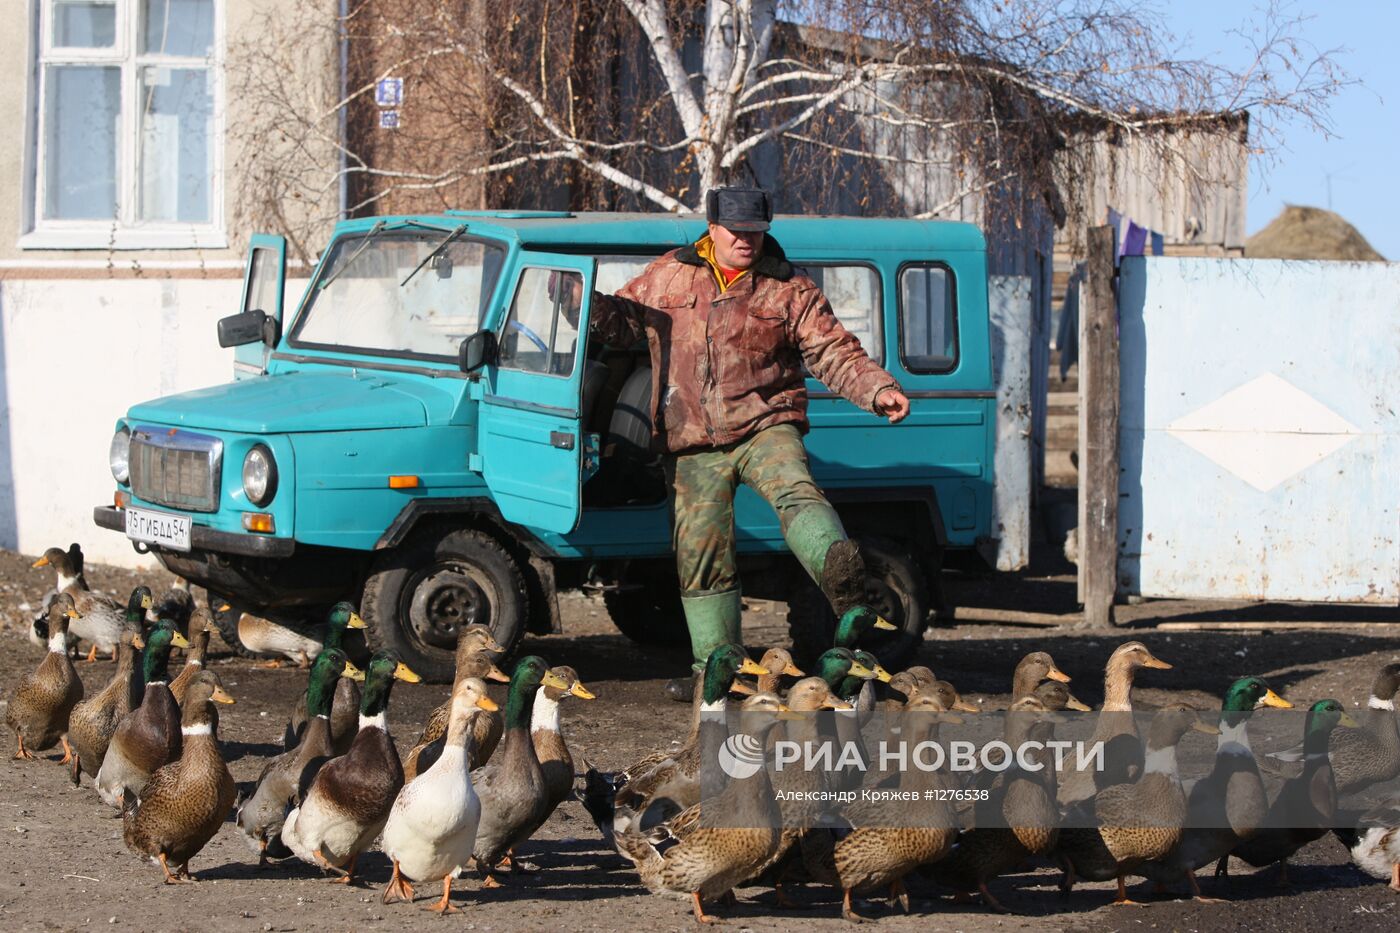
176,468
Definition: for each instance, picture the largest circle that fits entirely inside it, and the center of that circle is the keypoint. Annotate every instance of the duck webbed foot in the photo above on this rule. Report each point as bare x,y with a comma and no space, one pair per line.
847,911
700,915
444,906
398,888
1123,900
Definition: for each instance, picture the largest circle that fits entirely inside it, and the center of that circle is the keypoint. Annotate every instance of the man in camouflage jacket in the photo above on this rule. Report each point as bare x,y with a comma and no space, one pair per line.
730,323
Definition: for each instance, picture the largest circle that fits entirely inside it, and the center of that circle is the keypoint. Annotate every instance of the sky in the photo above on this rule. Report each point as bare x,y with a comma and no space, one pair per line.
1355,171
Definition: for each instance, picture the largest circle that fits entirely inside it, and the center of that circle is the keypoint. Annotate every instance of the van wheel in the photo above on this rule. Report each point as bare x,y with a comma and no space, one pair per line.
894,587
418,594
227,623
648,610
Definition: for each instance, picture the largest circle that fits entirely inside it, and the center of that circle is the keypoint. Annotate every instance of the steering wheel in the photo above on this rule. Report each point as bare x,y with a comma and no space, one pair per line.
530,335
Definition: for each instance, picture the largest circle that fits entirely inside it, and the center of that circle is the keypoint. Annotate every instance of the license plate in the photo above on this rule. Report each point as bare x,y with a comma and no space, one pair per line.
163,528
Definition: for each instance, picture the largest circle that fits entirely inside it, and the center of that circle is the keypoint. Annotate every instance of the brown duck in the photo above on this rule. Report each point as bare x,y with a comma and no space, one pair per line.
41,704
475,646
94,721
185,802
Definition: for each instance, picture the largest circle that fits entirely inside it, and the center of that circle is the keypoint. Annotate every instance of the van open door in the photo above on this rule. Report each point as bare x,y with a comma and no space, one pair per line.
531,442
264,280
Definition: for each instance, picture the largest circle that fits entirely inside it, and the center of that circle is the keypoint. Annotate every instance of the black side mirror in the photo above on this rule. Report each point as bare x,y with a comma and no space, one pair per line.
248,327
477,351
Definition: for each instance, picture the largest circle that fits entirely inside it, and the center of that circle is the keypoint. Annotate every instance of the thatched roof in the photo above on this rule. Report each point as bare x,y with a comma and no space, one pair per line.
1309,233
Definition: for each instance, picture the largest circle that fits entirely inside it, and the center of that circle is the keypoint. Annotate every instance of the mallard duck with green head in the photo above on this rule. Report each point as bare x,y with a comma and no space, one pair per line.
41,704
148,736
347,803
263,636
185,802
94,721
287,777
433,824
1368,755
661,784
514,798
345,707
1306,805
1228,805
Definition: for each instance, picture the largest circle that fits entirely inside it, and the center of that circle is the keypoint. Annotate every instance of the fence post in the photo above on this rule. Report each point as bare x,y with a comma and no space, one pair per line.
1098,432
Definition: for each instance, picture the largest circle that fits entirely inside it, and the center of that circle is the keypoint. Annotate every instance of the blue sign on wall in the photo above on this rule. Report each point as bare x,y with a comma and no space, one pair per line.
388,92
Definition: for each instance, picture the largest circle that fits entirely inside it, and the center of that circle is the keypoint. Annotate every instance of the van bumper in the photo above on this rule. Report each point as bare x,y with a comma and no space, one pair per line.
208,539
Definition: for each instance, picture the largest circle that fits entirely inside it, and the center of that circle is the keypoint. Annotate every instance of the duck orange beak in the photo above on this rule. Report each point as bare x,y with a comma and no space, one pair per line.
498,675
221,696
486,703
41,562
356,621
792,670
750,666
1056,674
1273,699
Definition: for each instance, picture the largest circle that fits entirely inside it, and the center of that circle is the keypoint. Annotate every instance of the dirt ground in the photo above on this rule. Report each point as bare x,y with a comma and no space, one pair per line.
63,864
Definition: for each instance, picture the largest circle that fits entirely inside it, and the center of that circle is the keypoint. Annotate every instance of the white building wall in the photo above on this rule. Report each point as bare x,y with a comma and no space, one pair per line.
74,355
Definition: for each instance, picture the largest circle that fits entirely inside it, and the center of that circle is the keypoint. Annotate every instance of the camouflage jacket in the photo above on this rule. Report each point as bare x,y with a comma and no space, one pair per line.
728,363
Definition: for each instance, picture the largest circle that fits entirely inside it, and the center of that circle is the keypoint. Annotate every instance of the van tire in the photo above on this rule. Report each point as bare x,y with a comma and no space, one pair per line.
894,586
227,623
648,610
419,592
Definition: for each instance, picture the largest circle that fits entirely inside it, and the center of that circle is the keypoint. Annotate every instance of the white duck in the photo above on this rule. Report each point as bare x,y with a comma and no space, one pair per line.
432,827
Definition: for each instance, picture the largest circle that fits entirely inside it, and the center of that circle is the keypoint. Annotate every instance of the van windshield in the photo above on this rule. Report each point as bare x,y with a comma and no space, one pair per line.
361,301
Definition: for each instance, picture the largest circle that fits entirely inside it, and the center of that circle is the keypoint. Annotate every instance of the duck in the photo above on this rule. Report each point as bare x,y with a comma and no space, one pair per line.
1031,670
547,735
41,704
348,802
878,848
1125,825
1375,843
514,799
1115,727
432,826
345,708
199,622
185,802
263,636
1228,805
1369,755
855,622
176,604
1055,697
94,721
1017,820
702,862
149,735
779,664
661,784
286,777
475,645
101,621
1306,805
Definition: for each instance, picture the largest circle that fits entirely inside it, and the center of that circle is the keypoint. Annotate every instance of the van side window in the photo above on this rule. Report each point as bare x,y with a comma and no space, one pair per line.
539,336
854,293
928,325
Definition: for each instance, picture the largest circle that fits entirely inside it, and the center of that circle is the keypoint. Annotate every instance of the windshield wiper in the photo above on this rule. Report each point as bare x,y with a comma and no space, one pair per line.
374,231
440,247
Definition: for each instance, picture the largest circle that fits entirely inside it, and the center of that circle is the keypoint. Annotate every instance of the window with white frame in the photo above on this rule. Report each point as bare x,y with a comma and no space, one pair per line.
127,149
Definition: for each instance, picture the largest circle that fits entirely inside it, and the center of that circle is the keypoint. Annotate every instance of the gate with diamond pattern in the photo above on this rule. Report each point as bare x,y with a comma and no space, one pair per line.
1259,438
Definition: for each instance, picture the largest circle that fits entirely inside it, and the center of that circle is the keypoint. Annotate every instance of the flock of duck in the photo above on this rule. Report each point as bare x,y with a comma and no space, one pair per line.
481,780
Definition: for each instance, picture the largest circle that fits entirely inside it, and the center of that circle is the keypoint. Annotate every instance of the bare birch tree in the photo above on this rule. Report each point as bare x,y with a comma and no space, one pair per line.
647,103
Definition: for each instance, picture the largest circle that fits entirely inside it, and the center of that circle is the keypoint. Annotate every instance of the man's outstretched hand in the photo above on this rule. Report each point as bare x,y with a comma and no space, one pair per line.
893,404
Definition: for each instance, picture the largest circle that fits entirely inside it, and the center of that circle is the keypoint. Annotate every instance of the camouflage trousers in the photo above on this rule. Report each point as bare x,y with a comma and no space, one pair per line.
772,462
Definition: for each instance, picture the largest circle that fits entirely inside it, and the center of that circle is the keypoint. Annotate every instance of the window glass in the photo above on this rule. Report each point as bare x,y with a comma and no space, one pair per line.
616,271
178,27
928,339
82,24
262,282
176,158
854,293
360,301
540,336
82,107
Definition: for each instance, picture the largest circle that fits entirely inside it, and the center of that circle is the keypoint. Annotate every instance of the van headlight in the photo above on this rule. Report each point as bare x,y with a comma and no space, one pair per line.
119,456
259,476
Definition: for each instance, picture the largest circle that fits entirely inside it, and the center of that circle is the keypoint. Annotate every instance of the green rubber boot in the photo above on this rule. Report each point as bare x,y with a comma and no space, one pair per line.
830,558
712,620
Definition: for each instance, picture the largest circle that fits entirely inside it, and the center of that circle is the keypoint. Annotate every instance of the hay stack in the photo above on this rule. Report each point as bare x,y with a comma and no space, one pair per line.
1309,233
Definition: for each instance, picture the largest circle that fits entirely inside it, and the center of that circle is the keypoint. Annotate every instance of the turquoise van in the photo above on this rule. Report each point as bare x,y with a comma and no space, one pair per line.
430,433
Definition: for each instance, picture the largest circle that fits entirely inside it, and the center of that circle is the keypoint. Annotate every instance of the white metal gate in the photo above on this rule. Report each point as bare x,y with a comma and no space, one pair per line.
1259,437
